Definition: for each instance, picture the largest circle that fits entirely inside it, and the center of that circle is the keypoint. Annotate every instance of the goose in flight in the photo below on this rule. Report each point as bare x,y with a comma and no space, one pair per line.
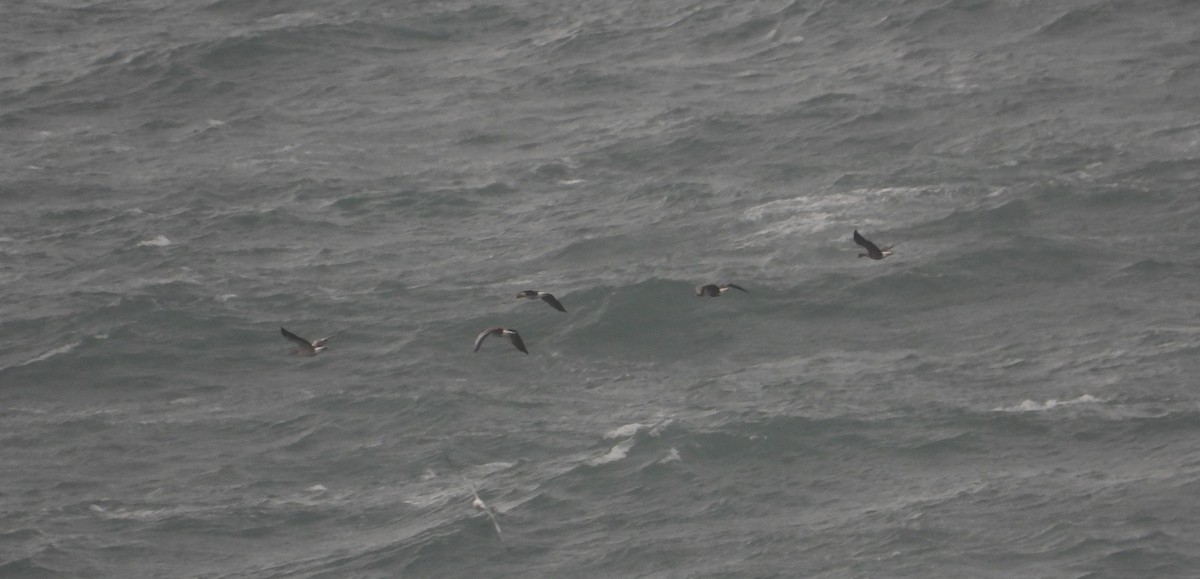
536,295
873,251
306,348
715,291
512,335
479,504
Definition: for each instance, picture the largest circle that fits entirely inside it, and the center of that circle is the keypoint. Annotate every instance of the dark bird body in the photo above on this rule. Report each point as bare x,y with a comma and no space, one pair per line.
306,348
713,290
873,251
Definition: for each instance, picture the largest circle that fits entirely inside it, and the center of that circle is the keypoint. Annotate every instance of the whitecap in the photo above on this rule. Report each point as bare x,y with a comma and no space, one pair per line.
123,514
656,430
491,467
807,214
52,353
617,452
425,500
1035,406
159,241
812,214
625,431
628,430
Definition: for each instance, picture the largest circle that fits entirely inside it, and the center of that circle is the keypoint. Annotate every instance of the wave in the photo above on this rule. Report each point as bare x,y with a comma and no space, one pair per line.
161,79
1088,20
157,241
30,567
422,201
64,349
655,318
1032,406
617,452
1181,171
1005,216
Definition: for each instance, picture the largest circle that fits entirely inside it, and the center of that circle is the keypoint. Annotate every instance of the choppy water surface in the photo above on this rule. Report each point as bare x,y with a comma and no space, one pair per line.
1010,395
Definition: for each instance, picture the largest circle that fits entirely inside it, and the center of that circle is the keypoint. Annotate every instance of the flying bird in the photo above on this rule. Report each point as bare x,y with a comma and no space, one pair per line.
535,295
512,335
479,504
873,251
306,348
715,291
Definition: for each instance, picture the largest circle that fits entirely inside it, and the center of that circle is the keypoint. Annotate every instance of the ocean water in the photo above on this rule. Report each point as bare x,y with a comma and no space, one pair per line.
1012,394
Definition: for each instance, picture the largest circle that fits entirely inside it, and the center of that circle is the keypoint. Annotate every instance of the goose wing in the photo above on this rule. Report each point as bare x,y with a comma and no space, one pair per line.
297,339
736,287
479,339
517,341
478,502
872,249
554,303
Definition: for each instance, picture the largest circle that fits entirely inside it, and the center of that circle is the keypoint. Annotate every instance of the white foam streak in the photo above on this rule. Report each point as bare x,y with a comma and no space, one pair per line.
628,430
1034,406
617,452
159,241
625,431
52,353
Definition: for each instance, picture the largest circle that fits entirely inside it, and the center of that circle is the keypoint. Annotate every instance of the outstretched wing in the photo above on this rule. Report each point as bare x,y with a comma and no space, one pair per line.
517,341
872,249
736,287
484,334
496,524
297,339
478,503
554,303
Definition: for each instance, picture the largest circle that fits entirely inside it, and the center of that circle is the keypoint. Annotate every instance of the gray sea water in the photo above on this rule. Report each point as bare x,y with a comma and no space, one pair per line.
1012,394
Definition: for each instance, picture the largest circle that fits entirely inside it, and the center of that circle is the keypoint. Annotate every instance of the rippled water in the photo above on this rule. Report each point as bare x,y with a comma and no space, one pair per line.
1010,395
